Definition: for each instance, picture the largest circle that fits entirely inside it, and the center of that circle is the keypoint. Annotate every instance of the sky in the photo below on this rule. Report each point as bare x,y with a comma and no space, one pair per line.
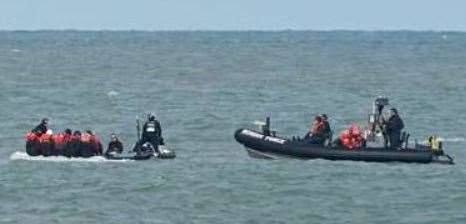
438,15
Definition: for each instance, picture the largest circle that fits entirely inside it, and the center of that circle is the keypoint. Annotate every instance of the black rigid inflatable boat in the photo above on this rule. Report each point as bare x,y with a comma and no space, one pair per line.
264,145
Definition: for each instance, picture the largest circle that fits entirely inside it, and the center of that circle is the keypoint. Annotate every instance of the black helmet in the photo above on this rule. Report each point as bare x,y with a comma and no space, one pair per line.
68,131
394,110
45,121
151,117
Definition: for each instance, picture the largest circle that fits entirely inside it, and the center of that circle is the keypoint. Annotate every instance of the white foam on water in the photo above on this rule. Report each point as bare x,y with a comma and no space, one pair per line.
453,139
112,94
18,155
16,50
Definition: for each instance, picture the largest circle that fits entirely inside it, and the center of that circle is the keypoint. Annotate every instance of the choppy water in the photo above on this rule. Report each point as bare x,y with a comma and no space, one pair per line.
204,85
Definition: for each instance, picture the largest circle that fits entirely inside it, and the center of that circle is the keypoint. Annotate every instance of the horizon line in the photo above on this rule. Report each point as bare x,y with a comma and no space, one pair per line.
232,30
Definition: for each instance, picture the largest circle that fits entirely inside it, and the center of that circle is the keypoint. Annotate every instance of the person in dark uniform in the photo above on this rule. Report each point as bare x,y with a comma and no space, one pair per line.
327,129
393,128
42,127
114,146
152,132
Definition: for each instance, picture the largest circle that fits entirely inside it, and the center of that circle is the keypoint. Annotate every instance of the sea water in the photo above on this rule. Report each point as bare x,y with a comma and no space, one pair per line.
202,87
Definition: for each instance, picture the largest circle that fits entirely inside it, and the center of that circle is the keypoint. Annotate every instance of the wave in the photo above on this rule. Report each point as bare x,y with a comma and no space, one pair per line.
24,156
453,139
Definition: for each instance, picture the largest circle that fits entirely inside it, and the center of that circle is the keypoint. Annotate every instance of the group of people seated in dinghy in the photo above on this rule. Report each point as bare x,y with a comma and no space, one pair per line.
42,141
354,137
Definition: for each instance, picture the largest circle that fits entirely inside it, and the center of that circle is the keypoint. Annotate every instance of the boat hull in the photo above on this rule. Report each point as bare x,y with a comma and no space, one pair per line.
268,145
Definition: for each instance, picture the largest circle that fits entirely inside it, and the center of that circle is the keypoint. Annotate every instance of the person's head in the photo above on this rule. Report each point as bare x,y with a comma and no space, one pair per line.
68,131
318,119
77,133
393,111
89,132
113,137
151,117
323,116
45,121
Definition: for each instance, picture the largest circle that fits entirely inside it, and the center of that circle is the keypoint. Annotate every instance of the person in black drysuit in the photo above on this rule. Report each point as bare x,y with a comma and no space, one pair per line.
151,132
114,145
327,128
42,127
393,128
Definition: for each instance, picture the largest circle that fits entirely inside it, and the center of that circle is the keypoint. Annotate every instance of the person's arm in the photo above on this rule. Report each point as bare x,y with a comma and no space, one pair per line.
159,128
402,125
119,146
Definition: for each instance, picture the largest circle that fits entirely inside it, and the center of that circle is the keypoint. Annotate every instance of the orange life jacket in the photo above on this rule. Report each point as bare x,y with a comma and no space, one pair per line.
352,138
317,127
67,138
30,137
86,138
46,138
59,141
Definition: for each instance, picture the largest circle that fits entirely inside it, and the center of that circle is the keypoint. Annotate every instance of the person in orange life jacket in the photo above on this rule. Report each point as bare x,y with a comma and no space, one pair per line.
41,128
95,142
316,134
90,144
46,143
351,138
67,135
31,137
73,148
152,132
59,144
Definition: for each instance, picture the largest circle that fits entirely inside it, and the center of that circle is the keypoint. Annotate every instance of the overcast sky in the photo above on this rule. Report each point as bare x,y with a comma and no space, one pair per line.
233,14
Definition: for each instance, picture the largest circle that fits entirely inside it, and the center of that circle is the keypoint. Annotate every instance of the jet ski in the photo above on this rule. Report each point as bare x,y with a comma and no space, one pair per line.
157,148
146,149
266,144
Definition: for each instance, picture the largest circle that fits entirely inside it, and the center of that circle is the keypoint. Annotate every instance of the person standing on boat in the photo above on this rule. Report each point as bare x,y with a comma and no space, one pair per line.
152,132
327,130
393,128
42,127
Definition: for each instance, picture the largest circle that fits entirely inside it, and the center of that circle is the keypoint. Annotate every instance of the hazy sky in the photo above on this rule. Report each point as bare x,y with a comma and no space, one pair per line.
233,14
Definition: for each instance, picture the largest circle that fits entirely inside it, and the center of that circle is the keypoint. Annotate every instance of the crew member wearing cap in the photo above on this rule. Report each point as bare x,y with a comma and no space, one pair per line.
393,128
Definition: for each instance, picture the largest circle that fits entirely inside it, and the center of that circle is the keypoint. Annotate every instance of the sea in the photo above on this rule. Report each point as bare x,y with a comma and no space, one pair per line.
203,86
